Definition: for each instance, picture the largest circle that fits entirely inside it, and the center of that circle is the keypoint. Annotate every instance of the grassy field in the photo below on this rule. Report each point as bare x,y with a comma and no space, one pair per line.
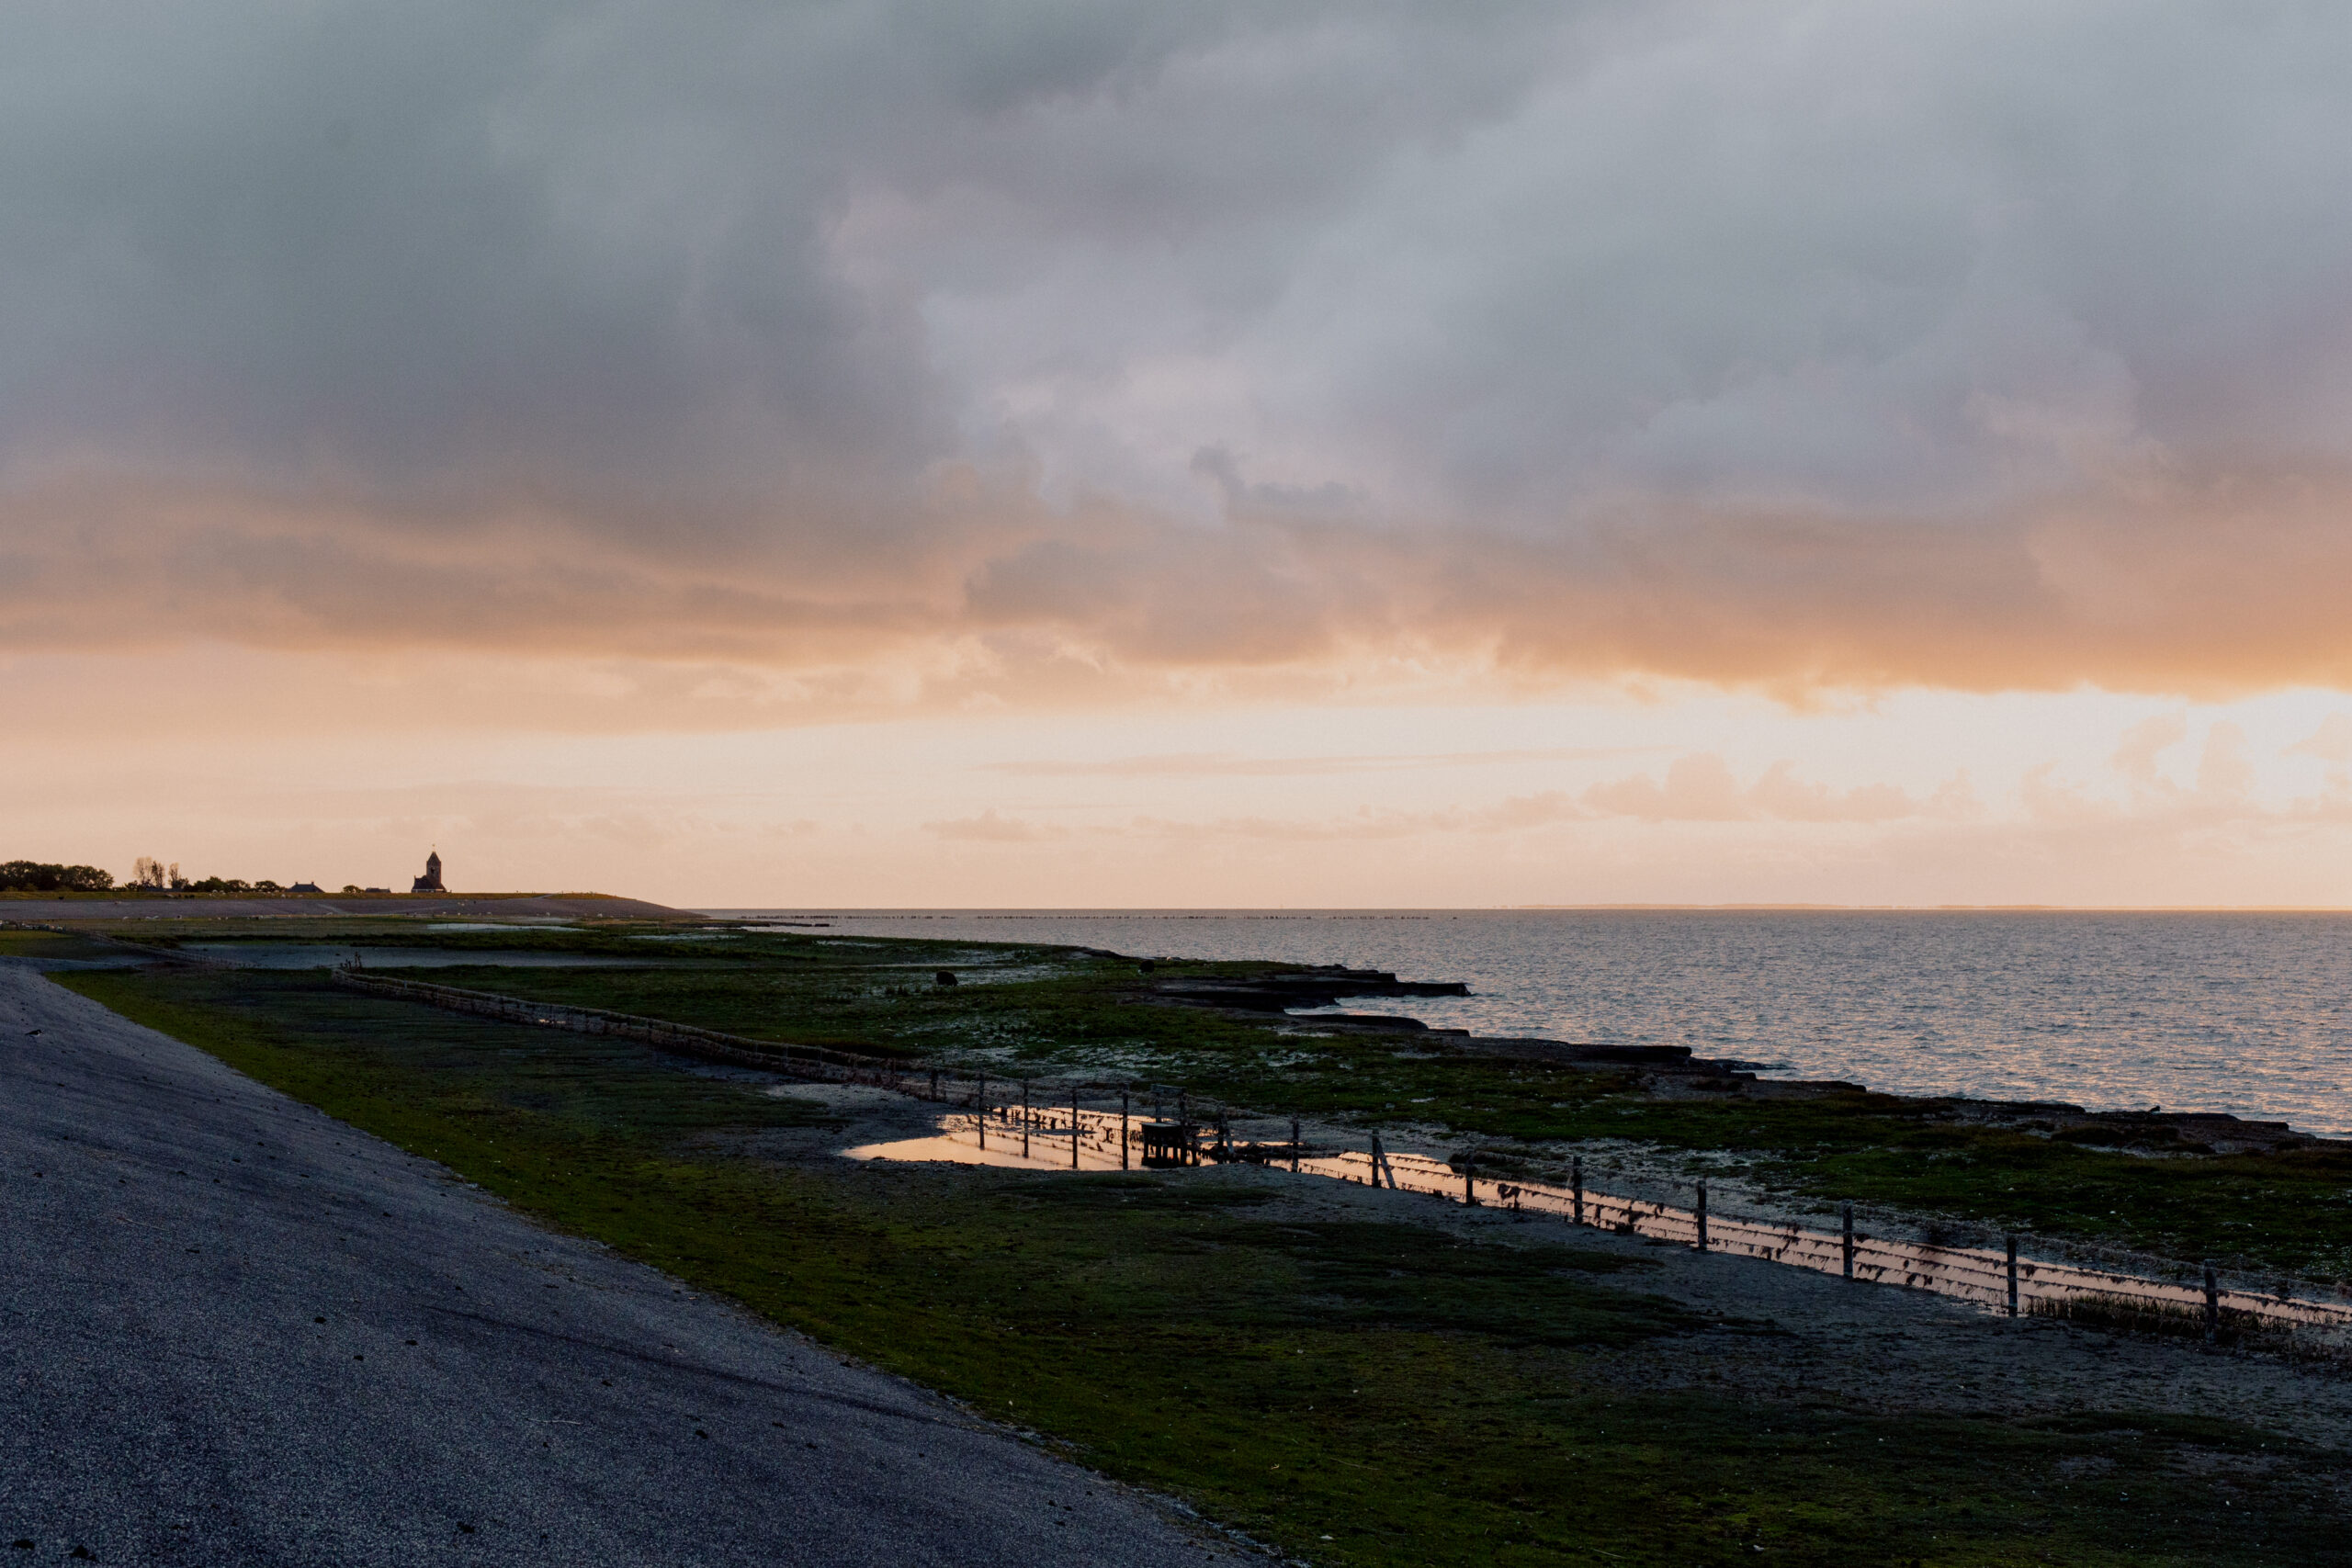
54,944
1059,1012
1354,1392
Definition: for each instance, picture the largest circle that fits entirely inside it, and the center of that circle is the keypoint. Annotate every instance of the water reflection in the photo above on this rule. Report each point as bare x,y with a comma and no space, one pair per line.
1064,1139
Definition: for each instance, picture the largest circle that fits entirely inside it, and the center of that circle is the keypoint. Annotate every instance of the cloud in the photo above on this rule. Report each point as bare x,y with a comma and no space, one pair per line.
1023,351
1225,765
2331,742
987,827
1701,788
2136,757
2224,773
1513,814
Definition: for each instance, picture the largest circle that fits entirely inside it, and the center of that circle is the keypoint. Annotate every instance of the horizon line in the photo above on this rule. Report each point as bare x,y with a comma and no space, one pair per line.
1037,910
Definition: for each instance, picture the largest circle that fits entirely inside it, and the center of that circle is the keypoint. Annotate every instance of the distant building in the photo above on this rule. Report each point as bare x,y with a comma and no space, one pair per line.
306,887
431,881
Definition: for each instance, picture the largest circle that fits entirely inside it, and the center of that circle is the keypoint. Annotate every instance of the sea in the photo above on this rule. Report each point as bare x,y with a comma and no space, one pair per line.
2245,1013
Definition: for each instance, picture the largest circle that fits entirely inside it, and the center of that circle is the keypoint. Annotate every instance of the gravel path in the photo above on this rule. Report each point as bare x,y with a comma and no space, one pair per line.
234,1330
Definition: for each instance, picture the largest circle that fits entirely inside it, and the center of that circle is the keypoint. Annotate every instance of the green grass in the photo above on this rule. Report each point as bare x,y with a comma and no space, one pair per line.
54,944
2289,1211
1414,1397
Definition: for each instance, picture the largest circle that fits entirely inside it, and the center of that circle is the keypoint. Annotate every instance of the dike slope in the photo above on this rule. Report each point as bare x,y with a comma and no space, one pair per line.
234,1331
330,906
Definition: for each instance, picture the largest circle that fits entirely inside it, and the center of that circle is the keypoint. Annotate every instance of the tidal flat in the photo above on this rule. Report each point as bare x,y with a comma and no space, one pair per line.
1346,1375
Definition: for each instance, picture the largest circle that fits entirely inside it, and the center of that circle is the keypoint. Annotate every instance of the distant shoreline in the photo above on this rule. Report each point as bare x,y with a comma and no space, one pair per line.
846,911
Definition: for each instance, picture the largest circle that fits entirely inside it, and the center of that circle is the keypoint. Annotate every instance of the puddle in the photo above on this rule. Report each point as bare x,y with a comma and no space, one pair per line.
1042,1140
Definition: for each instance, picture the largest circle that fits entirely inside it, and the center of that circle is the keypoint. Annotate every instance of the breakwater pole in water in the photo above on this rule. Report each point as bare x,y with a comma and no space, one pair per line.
2012,1240
1122,1129
2212,1303
1575,1185
1846,1223
1073,1127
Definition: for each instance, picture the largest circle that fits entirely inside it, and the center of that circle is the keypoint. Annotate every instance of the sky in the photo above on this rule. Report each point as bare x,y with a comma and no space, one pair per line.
1077,453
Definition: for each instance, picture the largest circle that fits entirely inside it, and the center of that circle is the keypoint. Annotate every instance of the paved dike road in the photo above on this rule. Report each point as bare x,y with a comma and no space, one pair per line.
234,1331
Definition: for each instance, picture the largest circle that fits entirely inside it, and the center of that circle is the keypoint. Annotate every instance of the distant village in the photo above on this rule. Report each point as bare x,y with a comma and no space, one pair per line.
148,875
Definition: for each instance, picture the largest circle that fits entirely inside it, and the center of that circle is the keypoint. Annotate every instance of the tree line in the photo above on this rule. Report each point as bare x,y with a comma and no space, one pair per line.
33,876
38,876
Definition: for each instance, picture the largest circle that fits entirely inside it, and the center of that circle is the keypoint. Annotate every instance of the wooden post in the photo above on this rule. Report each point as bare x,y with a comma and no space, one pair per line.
2212,1303
934,1085
1294,1145
1024,1118
1224,1135
2013,1273
1702,1214
1469,1192
1073,1126
1575,1186
1378,1159
981,1108
1122,1129
1846,1218
1184,1125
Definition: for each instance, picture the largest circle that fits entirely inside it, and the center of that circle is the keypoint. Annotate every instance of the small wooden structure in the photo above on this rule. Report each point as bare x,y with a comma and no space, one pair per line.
1167,1144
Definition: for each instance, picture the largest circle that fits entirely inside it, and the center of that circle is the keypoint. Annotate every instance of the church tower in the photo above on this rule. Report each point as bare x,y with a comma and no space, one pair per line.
431,881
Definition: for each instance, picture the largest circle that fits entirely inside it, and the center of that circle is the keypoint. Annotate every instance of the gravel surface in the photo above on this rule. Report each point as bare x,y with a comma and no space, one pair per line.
234,1330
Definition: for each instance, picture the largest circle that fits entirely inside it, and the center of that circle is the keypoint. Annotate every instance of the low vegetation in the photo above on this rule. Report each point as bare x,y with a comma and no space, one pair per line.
1052,1011
1352,1392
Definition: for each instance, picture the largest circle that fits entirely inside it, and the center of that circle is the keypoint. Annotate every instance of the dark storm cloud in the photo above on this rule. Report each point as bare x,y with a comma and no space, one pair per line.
1790,343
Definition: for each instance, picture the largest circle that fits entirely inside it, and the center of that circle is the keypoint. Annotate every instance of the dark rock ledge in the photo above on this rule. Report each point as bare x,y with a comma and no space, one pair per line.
1673,1072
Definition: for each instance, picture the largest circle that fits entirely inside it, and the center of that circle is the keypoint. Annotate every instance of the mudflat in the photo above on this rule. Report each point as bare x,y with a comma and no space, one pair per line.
238,1331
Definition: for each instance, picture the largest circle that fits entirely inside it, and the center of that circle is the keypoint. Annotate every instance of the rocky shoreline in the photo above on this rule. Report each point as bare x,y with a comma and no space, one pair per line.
1675,1072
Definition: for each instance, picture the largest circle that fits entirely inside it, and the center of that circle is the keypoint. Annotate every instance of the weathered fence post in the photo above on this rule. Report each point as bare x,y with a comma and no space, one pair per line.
1122,1128
1294,1145
1575,1186
1185,1125
1024,1118
2013,1273
1379,1159
1702,1214
1469,1192
1224,1135
981,1108
1846,1218
934,1085
1073,1126
2212,1303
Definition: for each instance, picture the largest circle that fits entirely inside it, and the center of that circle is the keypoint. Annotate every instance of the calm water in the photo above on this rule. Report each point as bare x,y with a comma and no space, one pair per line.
2242,1013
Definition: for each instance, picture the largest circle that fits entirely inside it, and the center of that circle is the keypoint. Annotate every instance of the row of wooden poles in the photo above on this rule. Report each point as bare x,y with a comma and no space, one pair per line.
1175,1142
1179,1145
